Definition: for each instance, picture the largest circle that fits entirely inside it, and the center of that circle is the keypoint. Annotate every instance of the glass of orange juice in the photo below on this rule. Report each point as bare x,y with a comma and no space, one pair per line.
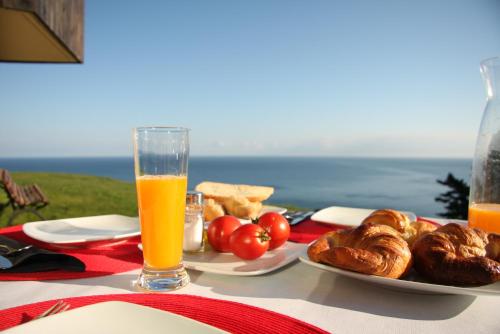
161,162
485,216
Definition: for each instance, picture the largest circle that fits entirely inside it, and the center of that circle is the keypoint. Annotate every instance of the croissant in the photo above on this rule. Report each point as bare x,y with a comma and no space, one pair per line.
370,249
410,231
418,229
395,219
456,254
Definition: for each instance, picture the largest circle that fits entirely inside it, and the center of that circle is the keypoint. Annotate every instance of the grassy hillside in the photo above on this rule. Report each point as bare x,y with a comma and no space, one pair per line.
73,195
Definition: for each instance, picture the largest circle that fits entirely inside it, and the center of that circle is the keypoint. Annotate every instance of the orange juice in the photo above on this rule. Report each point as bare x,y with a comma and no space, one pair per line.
485,216
162,201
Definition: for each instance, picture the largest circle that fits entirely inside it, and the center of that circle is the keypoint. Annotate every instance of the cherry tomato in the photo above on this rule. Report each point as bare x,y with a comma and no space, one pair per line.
276,226
220,230
249,241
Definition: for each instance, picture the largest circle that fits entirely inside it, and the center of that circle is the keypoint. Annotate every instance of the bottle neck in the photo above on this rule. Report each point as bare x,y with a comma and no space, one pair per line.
490,70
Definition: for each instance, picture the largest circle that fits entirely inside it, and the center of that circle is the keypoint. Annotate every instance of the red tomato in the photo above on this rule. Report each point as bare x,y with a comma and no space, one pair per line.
276,226
249,241
220,230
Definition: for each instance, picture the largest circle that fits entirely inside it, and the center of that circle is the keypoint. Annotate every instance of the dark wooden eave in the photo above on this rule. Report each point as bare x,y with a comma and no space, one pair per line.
41,31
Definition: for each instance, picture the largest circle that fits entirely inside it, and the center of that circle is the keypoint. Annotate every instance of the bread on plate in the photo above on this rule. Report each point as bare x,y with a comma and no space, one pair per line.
221,191
240,200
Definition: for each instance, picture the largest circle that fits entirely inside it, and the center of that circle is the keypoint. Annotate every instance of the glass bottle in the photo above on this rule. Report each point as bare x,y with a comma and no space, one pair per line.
484,199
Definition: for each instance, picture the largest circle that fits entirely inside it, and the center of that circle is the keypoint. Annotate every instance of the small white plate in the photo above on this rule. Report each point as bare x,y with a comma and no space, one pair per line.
229,264
265,209
83,230
411,284
272,208
114,317
339,215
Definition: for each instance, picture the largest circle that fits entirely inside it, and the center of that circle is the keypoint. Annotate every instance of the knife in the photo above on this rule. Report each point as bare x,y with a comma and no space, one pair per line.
5,263
298,217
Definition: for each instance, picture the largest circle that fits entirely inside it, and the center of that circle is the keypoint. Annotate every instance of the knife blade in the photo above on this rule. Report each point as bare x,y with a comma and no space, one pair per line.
298,217
5,263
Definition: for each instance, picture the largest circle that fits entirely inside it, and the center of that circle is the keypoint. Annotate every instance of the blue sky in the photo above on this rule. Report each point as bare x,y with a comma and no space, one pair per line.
271,78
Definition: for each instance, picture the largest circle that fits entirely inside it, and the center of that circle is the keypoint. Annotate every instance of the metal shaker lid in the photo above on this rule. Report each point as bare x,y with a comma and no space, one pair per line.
194,197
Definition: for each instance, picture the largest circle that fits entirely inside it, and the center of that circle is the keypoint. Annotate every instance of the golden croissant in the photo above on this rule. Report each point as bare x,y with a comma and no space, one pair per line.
410,231
370,249
456,254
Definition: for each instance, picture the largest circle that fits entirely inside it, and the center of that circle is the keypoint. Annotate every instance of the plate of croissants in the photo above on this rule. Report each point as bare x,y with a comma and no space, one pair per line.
420,256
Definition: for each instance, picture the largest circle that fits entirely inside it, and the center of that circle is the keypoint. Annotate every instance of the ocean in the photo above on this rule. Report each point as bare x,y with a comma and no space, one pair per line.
403,184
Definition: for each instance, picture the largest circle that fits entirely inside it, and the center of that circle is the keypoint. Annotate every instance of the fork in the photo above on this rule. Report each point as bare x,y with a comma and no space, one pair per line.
58,307
11,250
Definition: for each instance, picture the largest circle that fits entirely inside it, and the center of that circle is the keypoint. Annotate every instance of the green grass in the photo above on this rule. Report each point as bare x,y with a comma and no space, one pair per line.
72,195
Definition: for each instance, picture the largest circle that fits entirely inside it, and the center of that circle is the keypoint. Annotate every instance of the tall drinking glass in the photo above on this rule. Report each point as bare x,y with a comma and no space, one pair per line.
161,162
484,199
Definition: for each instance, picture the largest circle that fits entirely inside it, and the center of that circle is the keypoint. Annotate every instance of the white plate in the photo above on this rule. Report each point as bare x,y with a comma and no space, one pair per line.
229,264
82,230
265,209
409,284
347,216
114,317
272,208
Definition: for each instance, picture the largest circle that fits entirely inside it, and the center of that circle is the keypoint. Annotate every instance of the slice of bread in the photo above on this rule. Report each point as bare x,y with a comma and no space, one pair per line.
241,207
222,191
212,210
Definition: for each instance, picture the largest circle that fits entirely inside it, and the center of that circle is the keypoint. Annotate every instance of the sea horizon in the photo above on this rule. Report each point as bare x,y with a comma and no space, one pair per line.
247,156
408,184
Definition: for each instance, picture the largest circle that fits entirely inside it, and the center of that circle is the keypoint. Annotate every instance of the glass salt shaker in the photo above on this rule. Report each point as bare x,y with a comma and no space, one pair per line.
193,224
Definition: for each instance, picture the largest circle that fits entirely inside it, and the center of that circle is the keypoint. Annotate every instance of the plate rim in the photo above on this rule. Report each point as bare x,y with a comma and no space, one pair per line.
29,228
294,256
401,285
169,316
289,259
276,208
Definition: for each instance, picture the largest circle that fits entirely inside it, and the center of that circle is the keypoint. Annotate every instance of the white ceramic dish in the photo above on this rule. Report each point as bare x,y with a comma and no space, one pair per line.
411,284
339,215
73,231
265,209
229,264
272,208
114,317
